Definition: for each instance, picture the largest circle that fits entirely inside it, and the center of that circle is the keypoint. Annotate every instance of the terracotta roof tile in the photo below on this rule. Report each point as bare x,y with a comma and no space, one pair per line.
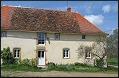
30,19
86,27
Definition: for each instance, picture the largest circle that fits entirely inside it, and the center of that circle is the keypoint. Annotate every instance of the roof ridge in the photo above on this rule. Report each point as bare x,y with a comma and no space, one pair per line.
35,8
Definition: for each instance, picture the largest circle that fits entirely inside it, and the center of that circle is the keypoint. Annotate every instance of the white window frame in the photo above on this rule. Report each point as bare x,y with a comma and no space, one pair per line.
65,52
88,55
16,53
57,35
42,37
4,34
84,37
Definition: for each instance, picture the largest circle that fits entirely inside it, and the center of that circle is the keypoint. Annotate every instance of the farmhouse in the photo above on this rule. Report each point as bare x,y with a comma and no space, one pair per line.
47,35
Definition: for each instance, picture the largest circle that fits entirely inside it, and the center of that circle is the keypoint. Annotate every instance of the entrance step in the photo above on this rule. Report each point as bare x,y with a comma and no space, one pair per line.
43,67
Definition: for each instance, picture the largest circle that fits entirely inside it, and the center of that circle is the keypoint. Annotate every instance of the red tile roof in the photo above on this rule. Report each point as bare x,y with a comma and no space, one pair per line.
30,19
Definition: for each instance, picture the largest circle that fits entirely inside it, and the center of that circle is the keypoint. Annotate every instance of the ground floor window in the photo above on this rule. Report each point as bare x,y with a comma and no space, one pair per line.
16,52
88,54
66,53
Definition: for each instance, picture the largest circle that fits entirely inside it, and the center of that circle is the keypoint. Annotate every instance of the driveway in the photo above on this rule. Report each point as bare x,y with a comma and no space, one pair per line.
54,74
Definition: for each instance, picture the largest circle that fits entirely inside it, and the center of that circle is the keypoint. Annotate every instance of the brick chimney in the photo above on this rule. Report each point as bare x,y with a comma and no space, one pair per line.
69,9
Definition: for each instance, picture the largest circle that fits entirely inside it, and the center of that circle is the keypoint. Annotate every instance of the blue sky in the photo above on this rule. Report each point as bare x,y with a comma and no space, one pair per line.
103,14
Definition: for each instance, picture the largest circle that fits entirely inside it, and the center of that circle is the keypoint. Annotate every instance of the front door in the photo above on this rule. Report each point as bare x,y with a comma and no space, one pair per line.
41,57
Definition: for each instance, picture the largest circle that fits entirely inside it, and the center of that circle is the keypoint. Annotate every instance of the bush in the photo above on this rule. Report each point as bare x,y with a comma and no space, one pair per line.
79,64
100,63
25,62
51,65
61,67
33,62
7,56
18,61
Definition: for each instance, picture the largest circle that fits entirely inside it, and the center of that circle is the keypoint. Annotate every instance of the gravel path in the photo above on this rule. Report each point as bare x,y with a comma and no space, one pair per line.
54,74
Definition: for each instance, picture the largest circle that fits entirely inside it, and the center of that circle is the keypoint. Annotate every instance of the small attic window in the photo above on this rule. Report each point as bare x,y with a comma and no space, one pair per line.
57,36
4,34
83,37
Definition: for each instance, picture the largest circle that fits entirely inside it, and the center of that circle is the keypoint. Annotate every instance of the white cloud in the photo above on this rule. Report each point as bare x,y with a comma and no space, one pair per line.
106,8
89,9
95,19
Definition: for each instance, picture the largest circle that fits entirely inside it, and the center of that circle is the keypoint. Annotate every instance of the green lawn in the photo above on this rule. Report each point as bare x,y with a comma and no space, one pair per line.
72,68
113,61
20,68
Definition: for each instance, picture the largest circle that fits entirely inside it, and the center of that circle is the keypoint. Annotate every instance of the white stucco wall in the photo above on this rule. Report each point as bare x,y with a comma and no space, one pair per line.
71,41
54,50
23,40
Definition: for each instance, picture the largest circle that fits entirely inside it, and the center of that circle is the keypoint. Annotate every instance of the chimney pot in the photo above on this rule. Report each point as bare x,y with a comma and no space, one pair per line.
69,9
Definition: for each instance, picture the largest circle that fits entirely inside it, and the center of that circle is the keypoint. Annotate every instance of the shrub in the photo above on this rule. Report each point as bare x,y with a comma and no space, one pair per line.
51,65
61,67
79,64
25,62
100,63
7,56
33,62
18,61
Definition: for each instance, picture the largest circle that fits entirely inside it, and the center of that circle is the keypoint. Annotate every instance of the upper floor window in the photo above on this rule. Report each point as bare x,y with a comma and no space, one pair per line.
57,36
66,53
16,52
83,37
4,34
41,38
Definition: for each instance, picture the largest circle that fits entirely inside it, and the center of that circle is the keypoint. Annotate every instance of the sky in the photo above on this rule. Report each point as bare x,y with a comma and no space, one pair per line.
103,14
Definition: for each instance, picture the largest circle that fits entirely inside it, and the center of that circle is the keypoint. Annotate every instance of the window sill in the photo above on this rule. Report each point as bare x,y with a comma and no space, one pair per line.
57,39
88,57
83,39
16,57
66,58
40,44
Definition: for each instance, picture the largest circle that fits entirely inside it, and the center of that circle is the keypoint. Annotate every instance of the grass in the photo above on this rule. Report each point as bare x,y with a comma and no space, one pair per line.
113,61
19,67
66,68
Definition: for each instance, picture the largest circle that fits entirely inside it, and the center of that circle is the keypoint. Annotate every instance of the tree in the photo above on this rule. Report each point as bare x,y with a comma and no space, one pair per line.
112,44
99,50
7,56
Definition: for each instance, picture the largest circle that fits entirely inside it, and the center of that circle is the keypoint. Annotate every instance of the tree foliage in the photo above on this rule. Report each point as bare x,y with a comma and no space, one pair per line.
7,56
98,48
112,44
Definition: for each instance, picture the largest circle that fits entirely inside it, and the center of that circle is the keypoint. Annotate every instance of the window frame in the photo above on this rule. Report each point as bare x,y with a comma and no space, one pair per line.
83,37
64,50
4,34
15,54
89,55
57,34
42,38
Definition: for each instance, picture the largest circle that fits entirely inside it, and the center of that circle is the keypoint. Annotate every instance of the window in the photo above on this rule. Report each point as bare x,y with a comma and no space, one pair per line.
57,36
41,38
41,54
4,34
16,53
65,53
88,54
83,37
